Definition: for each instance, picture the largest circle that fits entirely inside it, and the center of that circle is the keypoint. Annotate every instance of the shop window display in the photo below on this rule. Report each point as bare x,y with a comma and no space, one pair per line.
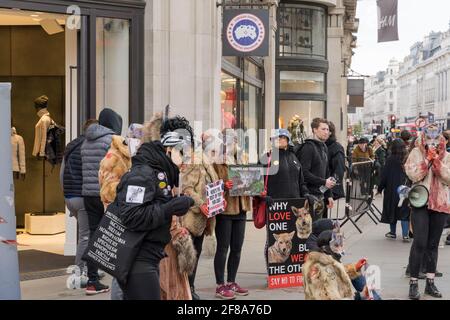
302,82
306,110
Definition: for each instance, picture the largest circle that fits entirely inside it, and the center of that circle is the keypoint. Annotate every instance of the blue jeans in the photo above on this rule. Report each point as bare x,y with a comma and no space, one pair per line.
405,228
359,284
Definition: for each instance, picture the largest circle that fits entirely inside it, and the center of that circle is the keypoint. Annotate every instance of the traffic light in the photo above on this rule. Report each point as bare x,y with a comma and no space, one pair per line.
393,119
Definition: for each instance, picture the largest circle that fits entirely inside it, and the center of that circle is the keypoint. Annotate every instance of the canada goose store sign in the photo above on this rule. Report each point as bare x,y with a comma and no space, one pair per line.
245,32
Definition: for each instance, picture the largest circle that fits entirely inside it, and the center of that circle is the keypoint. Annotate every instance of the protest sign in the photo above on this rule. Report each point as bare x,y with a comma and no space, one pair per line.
289,225
247,180
215,198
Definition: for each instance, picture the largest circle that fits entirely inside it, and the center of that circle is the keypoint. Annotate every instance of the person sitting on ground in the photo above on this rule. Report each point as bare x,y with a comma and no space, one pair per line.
325,277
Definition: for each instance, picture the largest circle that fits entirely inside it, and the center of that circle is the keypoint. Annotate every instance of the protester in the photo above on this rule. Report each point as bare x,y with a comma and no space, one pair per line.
362,151
325,277
428,165
380,151
94,148
114,165
153,175
392,177
405,135
336,162
72,182
195,175
313,156
230,225
446,135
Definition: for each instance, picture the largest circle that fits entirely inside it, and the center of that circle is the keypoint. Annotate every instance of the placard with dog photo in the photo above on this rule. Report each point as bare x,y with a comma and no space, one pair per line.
247,180
289,224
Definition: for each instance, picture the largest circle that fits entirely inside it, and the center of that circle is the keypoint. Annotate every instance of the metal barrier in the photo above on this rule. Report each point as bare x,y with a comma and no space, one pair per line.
359,194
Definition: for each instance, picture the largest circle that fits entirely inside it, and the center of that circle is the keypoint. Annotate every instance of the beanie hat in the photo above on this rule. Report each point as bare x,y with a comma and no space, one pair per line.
41,102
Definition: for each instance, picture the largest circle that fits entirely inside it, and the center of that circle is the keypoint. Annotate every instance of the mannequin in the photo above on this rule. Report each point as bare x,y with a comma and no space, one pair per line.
40,137
18,155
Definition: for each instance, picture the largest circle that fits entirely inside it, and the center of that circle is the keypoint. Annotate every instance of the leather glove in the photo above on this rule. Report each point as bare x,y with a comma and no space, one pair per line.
177,206
228,185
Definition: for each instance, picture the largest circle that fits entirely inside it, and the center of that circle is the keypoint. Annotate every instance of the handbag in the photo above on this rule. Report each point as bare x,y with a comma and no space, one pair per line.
113,248
260,205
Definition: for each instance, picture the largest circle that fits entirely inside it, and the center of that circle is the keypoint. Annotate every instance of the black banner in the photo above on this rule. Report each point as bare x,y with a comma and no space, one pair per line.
289,225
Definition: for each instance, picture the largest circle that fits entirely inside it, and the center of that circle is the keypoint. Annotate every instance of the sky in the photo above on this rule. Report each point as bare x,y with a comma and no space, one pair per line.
416,18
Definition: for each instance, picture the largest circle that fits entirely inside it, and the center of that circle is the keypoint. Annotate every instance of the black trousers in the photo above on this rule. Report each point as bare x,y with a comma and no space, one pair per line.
427,226
230,234
198,245
143,282
95,210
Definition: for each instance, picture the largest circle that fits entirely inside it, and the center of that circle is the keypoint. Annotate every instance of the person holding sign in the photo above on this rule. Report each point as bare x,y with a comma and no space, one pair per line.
428,165
195,177
230,225
146,204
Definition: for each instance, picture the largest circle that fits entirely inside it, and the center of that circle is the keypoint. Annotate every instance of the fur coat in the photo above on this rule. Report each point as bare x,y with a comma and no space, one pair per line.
435,177
114,165
326,278
195,177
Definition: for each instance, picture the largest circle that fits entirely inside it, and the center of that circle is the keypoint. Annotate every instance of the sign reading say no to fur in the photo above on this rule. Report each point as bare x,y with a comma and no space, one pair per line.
289,225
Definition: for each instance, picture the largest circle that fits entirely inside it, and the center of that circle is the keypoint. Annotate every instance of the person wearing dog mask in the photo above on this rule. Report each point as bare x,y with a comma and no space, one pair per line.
428,165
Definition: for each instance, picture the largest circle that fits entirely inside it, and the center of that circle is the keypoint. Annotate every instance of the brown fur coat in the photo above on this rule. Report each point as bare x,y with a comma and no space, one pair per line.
195,177
325,278
113,166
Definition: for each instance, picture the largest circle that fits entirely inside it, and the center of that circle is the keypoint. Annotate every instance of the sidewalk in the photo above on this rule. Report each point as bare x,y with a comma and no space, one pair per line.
390,255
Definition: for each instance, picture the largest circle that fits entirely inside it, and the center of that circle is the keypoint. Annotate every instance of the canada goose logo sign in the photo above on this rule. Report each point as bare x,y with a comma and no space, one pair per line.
245,32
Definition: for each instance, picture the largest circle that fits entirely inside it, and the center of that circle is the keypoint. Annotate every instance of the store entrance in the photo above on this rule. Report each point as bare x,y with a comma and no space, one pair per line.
38,57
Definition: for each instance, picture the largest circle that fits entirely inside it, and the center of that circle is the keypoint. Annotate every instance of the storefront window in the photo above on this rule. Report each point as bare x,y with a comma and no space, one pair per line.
113,47
302,82
229,101
307,110
302,30
252,107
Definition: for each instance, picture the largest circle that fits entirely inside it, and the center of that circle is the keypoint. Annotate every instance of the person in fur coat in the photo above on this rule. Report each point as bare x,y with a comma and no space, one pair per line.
195,176
428,165
324,276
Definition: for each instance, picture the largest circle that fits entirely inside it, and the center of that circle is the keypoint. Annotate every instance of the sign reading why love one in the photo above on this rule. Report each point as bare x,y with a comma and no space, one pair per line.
215,198
289,225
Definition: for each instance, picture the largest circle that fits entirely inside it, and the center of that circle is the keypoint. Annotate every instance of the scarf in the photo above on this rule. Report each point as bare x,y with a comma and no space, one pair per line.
154,155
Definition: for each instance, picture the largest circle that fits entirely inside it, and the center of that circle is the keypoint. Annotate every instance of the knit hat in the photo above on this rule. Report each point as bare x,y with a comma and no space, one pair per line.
41,102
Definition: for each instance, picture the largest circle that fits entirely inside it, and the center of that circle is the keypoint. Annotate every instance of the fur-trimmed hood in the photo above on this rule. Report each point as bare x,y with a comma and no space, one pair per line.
325,278
152,128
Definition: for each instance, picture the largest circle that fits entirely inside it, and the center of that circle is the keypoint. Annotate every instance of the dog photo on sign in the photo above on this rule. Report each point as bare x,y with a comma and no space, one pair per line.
279,252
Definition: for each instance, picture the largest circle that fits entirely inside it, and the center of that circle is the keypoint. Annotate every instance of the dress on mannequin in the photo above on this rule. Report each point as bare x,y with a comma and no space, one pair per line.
18,154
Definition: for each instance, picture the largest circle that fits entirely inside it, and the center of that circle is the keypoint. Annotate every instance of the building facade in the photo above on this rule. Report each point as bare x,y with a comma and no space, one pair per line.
380,98
137,56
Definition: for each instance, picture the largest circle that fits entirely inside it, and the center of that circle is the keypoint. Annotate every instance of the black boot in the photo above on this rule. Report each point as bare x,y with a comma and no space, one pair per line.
431,290
414,290
195,296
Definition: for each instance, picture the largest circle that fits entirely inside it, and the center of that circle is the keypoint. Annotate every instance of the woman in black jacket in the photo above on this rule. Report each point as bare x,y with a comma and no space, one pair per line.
336,162
393,175
145,203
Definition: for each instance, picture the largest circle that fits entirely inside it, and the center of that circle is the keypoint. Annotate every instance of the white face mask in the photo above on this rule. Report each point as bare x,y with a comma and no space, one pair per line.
432,134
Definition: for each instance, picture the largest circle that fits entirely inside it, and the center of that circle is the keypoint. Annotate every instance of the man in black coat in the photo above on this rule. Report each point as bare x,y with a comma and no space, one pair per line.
313,156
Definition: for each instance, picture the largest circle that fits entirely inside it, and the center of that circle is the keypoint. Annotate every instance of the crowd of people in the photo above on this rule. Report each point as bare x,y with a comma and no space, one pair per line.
150,180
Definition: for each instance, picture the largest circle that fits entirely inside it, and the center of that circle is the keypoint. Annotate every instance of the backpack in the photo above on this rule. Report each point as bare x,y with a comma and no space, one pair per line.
54,147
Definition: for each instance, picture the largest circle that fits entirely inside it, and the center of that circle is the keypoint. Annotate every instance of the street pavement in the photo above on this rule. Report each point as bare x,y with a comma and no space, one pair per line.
390,255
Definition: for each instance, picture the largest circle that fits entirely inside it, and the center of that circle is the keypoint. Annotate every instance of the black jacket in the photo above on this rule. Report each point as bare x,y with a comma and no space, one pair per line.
141,196
73,174
288,182
336,162
392,176
313,156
